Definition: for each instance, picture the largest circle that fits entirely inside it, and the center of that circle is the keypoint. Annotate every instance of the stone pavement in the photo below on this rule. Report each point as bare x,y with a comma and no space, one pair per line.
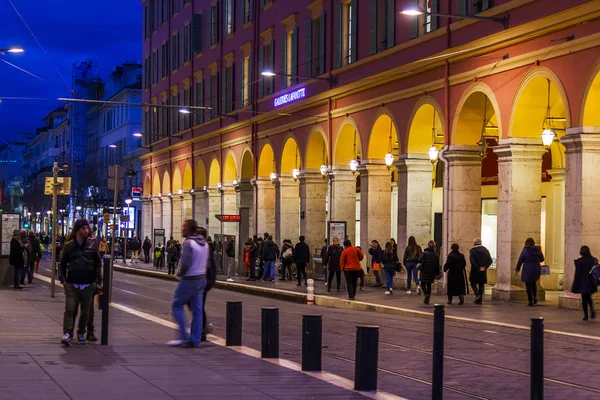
136,364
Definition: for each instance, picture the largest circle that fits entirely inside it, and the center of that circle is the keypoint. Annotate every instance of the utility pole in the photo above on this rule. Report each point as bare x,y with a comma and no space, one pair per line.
115,182
55,170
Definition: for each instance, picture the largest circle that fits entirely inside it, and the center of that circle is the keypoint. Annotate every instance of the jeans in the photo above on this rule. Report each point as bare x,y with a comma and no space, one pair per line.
18,271
301,271
134,256
73,299
29,270
269,270
230,267
377,277
389,278
351,280
189,291
531,291
338,278
252,268
204,323
411,274
586,301
146,256
285,267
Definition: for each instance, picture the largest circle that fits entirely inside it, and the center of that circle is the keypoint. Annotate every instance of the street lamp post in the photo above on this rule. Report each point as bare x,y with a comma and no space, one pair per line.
12,49
128,202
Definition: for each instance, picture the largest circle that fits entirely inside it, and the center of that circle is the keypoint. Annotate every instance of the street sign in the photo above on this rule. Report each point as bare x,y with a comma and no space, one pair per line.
106,217
229,218
136,192
63,187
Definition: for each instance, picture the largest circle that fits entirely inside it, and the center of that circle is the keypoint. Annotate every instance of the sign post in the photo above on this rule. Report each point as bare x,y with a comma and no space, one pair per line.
116,182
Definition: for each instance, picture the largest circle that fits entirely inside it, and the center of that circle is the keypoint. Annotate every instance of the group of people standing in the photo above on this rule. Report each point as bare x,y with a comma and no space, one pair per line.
24,255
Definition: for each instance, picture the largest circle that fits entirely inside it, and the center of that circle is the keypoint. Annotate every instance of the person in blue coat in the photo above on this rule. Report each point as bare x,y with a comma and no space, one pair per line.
530,259
583,282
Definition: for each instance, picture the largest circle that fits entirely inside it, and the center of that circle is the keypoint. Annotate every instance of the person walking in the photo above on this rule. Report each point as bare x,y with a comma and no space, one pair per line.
41,253
169,241
35,255
270,253
80,275
530,259
191,288
376,259
211,278
583,282
252,256
28,254
391,265
455,269
134,246
412,252
172,256
230,252
430,268
301,258
350,264
481,260
103,248
147,246
287,259
332,260
159,256
16,258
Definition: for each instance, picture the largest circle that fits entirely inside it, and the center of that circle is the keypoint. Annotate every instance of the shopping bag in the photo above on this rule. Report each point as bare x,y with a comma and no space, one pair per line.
376,267
545,270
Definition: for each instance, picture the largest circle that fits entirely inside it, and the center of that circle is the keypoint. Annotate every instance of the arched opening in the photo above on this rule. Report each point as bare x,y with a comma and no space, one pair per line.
383,138
156,184
187,177
200,177
316,150
166,186
425,130
214,174
348,145
590,115
247,169
177,182
290,156
266,161
147,186
230,171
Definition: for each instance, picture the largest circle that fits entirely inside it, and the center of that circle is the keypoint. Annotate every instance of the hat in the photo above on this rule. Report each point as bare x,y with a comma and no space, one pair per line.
80,223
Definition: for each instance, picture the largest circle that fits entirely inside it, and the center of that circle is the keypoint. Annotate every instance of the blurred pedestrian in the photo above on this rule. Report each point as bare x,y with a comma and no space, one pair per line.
583,282
147,246
412,252
135,245
530,259
430,269
230,252
301,258
287,259
159,256
103,248
481,260
376,259
270,253
391,265
252,258
455,268
350,264
332,260
36,255
28,254
16,258
172,257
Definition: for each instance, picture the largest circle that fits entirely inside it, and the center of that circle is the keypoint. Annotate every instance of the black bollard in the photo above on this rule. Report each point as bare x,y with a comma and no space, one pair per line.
537,358
269,333
437,385
233,325
366,357
311,342
104,300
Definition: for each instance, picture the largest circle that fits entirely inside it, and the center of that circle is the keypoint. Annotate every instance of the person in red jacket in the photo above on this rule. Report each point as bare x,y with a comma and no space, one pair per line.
350,264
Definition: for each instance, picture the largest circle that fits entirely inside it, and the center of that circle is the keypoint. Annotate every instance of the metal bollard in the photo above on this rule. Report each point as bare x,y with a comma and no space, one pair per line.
104,300
310,291
312,336
269,333
437,385
537,359
233,325
366,357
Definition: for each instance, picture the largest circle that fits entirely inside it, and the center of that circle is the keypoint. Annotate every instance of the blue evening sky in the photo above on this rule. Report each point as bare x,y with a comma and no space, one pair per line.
107,31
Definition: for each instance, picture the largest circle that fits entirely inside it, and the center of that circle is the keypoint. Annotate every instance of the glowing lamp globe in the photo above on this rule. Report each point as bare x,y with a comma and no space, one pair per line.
433,153
548,137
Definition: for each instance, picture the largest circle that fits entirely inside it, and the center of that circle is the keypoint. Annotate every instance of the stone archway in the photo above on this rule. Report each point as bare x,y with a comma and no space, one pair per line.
287,193
265,191
147,191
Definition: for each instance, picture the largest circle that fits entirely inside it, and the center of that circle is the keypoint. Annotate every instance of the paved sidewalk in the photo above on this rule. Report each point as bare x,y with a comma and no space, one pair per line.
136,364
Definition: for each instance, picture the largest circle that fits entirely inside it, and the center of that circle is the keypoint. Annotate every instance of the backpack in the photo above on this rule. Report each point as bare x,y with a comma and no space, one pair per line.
288,253
595,273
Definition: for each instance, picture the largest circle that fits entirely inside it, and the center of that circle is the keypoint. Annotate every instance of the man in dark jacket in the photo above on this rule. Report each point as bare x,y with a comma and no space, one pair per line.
252,256
36,254
134,246
332,260
16,258
480,260
301,258
269,253
230,252
147,246
28,271
80,273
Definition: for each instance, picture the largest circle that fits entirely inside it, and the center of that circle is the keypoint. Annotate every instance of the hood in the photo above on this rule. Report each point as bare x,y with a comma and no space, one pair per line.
479,249
198,239
430,249
268,243
535,250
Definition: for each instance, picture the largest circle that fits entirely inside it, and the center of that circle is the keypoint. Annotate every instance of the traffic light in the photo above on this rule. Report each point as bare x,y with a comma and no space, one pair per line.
26,225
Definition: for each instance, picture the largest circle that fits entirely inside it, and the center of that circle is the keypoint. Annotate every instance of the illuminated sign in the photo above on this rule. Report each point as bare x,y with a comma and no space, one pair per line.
228,218
136,192
289,97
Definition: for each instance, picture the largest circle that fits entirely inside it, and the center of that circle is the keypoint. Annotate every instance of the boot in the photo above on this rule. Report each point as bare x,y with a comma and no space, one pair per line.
461,300
426,300
90,337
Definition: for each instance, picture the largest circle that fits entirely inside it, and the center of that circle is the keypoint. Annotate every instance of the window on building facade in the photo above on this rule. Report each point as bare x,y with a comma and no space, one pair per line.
155,66
164,112
186,119
147,19
155,14
164,55
227,89
228,17
382,25
266,60
212,26
174,48
198,115
196,33
174,114
345,31
174,6
425,23
289,58
155,126
145,73
477,6
315,46
165,10
247,11
187,44
212,93
245,96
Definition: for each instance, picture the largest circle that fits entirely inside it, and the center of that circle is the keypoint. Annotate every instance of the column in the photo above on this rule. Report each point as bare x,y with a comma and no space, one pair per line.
343,199
582,217
462,197
313,217
147,219
265,206
375,202
214,208
200,200
245,205
230,207
287,210
167,216
187,211
519,210
414,199
157,220
176,201
555,228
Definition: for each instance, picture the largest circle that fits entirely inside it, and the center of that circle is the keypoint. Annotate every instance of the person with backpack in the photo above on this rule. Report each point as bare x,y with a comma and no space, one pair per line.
481,260
230,252
301,258
172,258
456,274
430,269
287,259
412,252
584,283
389,259
530,259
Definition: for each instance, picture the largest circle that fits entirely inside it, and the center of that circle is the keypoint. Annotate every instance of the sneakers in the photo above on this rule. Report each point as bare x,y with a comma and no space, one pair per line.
229,280
409,292
387,292
419,290
362,289
81,338
90,337
66,339
262,280
176,342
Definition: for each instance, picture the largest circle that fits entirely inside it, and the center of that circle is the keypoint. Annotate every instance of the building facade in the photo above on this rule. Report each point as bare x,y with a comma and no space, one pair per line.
356,101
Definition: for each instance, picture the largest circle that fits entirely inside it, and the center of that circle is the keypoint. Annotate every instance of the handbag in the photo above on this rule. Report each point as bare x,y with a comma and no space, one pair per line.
545,270
419,266
376,266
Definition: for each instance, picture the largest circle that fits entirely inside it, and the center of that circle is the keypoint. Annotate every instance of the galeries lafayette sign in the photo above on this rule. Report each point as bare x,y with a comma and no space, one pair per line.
289,97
